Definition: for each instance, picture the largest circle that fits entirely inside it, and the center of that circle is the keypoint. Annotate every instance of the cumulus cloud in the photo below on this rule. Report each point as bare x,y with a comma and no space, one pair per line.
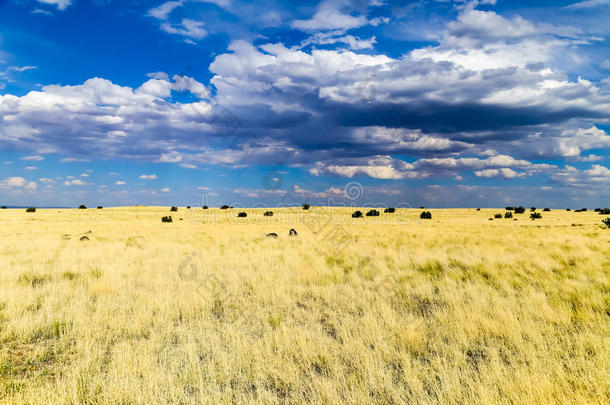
148,176
75,182
33,157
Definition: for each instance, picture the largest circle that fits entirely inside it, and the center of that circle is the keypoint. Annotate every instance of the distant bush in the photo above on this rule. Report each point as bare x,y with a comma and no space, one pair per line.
306,206
31,209
389,210
205,207
546,210
357,214
422,208
583,210
604,211
224,207
425,215
242,215
166,219
606,222
82,207
478,209
597,209
498,216
535,215
508,214
173,209
510,208
533,209
3,207
100,207
519,210
188,207
268,214
372,213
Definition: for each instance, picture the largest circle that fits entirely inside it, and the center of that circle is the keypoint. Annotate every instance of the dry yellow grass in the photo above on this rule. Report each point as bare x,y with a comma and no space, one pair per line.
457,309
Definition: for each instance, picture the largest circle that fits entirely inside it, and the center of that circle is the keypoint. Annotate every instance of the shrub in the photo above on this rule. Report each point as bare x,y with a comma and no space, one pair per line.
100,207
224,207
31,209
4,207
306,206
533,209
597,209
605,211
583,210
173,209
357,214
268,214
166,219
389,210
205,207
82,207
498,216
546,210
422,208
519,210
372,213
508,214
425,215
606,222
535,215
510,208
478,209
188,207
242,215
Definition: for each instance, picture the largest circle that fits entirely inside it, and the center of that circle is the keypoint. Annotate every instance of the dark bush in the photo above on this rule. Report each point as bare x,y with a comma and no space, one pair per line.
510,208
422,208
546,210
357,214
536,215
583,210
31,209
372,213
166,219
188,207
597,209
567,209
205,207
533,209
100,207
606,222
306,206
498,216
3,207
425,215
519,210
604,211
268,214
508,214
242,215
173,209
82,207
389,210
224,207
478,209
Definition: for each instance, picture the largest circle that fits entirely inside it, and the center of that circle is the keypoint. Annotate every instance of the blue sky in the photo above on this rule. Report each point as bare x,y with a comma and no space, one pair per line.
435,103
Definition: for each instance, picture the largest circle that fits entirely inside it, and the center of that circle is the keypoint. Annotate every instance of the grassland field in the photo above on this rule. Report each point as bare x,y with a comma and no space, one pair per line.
390,310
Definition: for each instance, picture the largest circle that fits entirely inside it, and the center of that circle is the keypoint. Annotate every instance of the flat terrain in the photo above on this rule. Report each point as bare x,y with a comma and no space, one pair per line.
389,309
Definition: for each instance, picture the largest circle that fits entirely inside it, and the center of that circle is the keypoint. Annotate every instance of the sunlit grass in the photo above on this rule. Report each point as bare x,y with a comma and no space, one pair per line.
455,309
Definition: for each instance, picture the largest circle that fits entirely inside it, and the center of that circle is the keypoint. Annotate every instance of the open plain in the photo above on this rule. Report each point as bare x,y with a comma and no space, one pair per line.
389,309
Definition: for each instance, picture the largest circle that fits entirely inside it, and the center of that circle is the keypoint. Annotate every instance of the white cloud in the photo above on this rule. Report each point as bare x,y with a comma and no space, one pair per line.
75,182
36,158
61,4
587,4
31,168
503,172
188,28
163,11
72,159
17,183
120,183
148,176
165,190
